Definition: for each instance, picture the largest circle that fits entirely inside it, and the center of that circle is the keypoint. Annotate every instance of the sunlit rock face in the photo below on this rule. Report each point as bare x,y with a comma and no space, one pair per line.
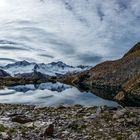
72,31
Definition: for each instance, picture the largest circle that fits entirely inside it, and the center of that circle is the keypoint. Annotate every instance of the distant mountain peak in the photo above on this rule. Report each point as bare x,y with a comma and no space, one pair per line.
24,63
18,63
82,66
36,66
59,64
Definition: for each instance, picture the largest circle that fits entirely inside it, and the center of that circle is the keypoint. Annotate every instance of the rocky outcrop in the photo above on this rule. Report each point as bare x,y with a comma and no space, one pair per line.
134,50
113,77
130,91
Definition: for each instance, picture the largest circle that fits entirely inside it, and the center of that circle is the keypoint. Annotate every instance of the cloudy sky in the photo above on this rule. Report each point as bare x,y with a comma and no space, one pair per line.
73,31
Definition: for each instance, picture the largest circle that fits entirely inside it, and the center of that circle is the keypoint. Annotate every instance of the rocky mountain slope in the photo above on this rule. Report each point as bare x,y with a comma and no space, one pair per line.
4,74
119,79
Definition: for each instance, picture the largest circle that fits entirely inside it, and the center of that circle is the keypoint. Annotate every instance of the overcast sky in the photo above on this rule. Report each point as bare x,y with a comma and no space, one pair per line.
73,31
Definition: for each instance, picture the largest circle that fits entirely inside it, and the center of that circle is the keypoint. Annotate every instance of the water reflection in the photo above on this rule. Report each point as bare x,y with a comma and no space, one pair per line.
51,94
44,86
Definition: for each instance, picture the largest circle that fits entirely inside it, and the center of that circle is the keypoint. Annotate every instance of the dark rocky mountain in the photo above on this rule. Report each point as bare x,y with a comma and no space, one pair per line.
4,74
119,79
33,76
83,67
60,64
18,63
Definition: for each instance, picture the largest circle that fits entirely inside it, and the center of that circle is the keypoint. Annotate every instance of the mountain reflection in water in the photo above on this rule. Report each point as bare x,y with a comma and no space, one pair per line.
51,94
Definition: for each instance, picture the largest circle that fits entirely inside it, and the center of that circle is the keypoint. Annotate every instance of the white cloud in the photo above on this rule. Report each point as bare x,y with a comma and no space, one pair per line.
70,29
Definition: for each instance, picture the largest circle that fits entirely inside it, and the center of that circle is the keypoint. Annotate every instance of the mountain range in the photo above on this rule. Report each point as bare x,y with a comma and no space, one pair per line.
24,68
115,80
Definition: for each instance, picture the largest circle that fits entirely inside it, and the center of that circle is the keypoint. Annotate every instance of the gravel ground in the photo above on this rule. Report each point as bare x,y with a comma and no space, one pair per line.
21,122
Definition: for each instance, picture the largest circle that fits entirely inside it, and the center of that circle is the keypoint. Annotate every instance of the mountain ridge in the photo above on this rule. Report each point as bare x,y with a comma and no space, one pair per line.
51,69
113,78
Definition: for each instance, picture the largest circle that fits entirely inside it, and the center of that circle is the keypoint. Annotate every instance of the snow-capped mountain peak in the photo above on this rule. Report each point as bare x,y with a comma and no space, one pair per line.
50,69
18,63
59,64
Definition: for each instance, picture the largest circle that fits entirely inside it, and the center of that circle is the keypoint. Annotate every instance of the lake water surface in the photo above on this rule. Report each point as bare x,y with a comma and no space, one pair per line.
51,94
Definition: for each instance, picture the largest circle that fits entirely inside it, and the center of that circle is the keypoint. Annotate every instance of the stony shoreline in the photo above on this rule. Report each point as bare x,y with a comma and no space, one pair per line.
21,122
